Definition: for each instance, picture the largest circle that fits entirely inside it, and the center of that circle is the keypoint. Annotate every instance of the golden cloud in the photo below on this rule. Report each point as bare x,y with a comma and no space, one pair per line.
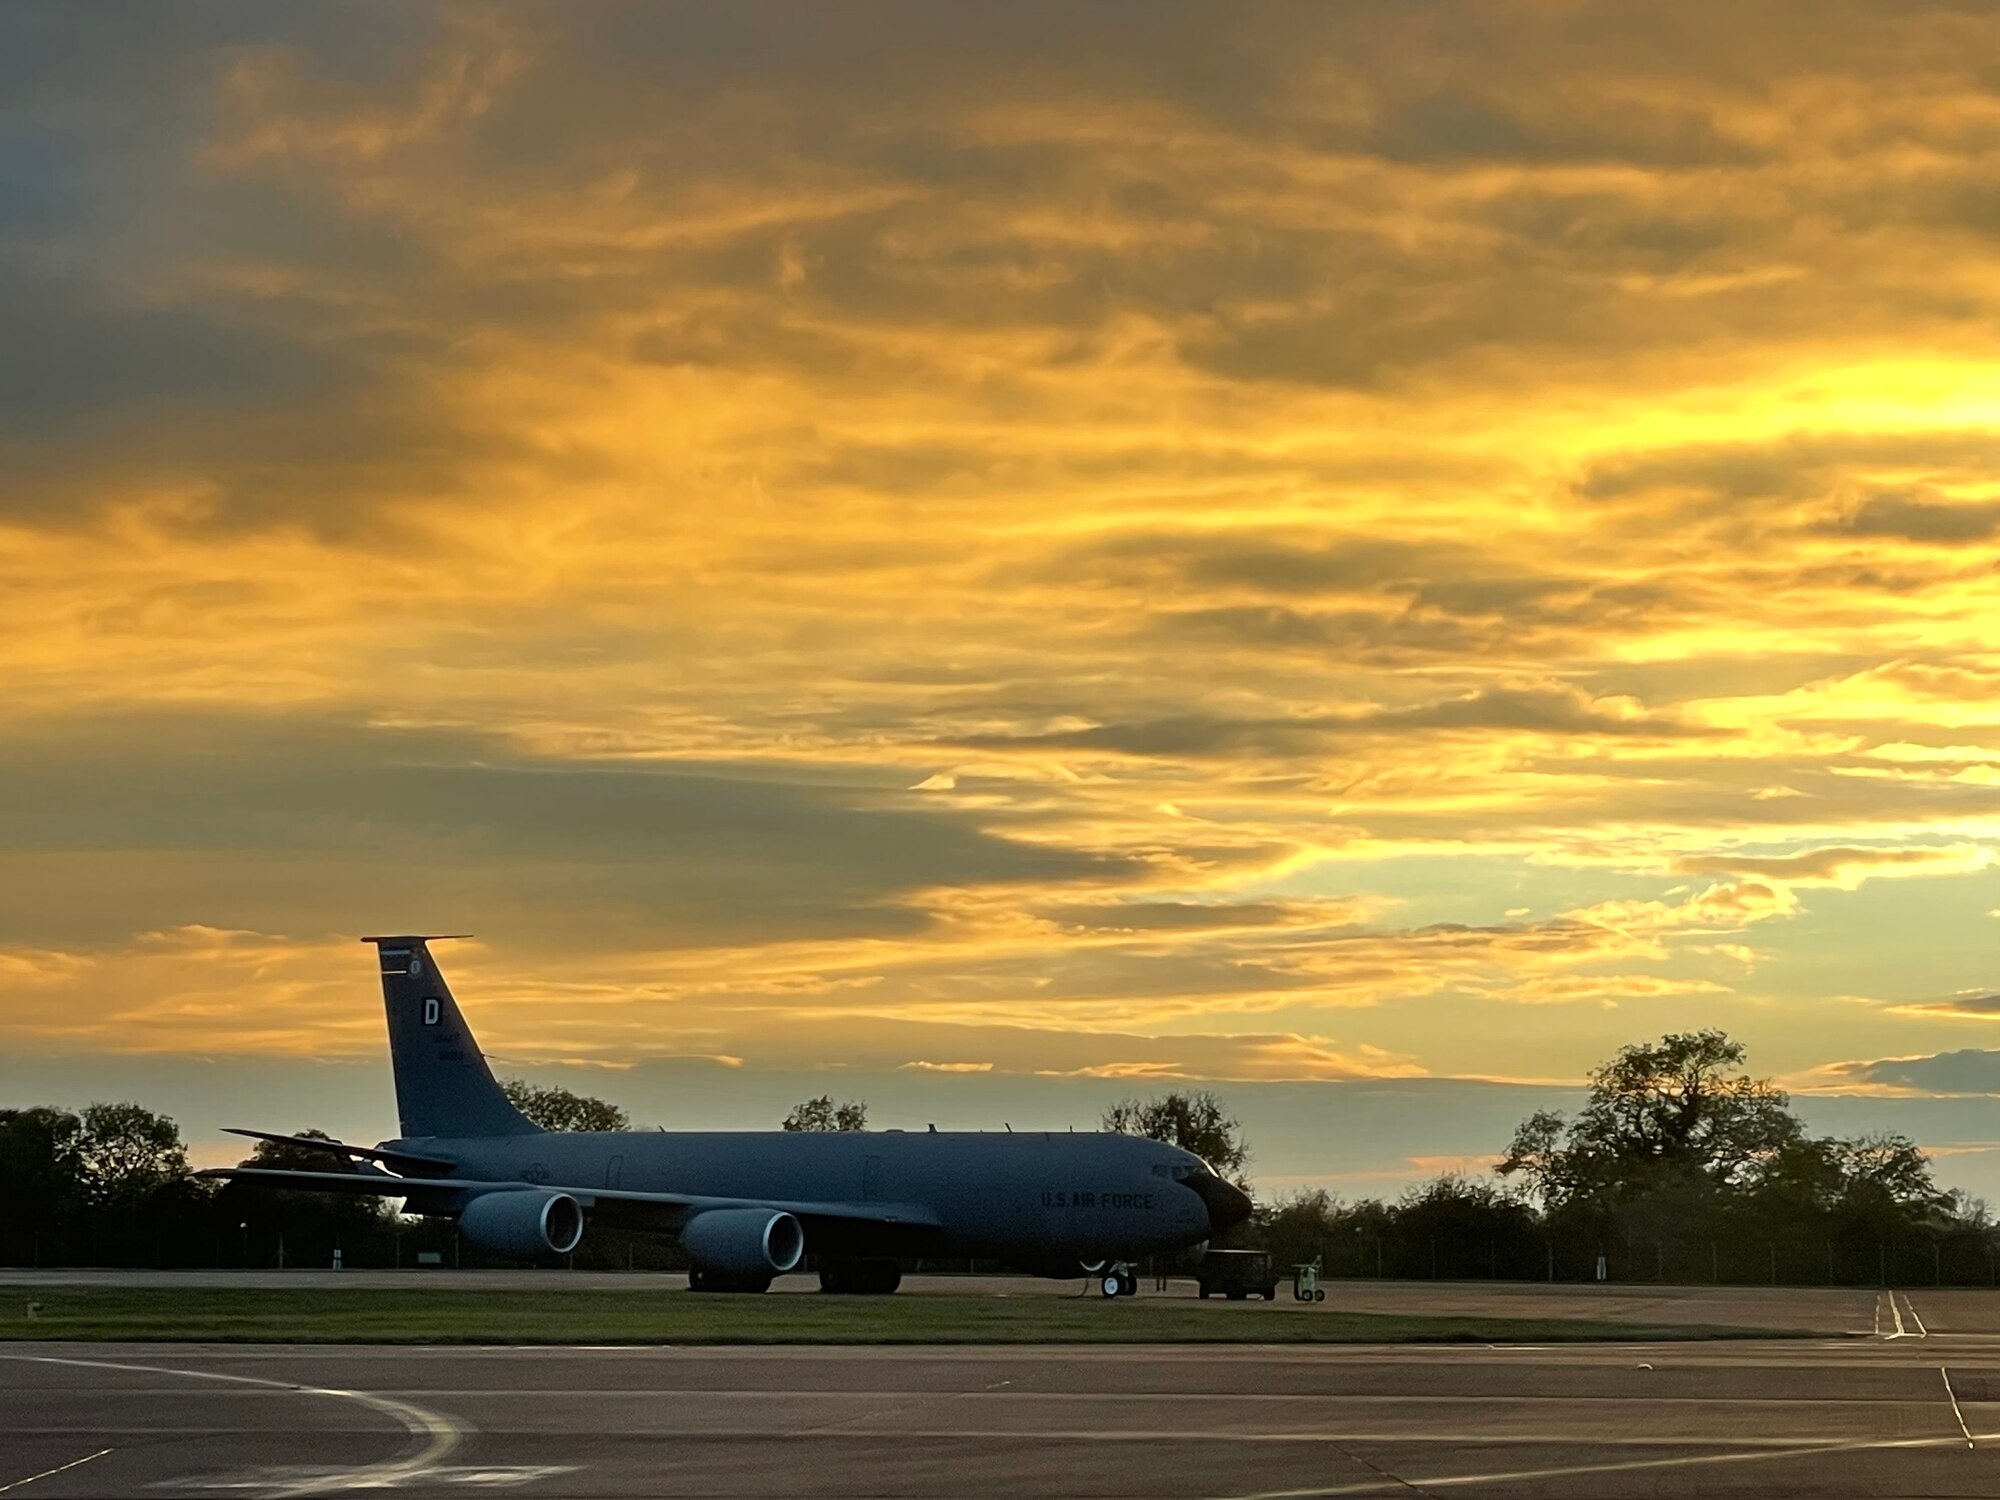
1842,867
997,521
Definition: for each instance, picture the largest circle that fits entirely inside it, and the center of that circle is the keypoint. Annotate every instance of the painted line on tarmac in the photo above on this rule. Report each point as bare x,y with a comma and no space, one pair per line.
1523,1476
74,1463
849,1430
433,1434
1000,1392
1902,1329
1952,1396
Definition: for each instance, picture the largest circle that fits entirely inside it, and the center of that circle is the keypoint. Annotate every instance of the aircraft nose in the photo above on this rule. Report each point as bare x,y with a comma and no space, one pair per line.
1227,1204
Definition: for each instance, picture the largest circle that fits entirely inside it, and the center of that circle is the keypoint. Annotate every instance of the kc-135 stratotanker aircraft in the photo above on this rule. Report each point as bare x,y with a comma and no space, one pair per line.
749,1206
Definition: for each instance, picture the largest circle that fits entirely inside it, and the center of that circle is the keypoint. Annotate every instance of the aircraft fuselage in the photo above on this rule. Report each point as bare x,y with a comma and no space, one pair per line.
1018,1196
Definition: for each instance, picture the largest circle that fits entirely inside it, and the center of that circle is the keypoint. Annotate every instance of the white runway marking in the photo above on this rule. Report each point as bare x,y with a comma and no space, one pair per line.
275,1481
1519,1476
58,1469
434,1434
1952,1396
997,1393
1752,1447
1903,1330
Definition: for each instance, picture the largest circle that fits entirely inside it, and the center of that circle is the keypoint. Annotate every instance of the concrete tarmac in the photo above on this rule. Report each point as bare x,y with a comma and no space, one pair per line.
1822,1309
1913,1411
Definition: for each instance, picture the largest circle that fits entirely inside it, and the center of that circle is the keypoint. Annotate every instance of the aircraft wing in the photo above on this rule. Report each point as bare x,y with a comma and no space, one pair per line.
678,1207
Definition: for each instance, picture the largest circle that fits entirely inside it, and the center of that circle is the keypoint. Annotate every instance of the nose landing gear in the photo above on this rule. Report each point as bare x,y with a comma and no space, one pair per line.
1118,1280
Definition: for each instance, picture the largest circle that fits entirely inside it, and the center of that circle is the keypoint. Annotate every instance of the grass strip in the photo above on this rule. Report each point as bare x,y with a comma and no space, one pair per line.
311,1316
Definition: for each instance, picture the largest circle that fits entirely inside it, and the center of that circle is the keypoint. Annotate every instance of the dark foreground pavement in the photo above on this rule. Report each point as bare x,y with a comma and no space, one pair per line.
1892,1416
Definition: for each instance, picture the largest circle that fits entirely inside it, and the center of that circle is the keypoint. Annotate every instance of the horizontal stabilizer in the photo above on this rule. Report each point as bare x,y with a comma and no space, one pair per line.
402,1161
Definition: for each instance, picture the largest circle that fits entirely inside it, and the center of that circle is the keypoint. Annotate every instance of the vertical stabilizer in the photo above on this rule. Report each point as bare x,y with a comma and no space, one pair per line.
443,1086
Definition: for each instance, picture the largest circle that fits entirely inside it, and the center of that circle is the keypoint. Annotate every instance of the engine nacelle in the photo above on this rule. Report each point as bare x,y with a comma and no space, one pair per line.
519,1222
744,1241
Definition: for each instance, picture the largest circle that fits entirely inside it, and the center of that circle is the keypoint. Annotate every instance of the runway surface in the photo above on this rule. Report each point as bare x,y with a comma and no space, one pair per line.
1823,1309
1913,1412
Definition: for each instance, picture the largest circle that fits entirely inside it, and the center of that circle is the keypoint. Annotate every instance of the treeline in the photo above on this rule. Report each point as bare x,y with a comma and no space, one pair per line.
1680,1167
111,1181
110,1186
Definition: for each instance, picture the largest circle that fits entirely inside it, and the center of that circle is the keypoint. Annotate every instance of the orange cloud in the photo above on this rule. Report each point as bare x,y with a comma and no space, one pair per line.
1002,526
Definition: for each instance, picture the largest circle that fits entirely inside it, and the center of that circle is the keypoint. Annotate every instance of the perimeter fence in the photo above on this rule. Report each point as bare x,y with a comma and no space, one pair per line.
1963,1258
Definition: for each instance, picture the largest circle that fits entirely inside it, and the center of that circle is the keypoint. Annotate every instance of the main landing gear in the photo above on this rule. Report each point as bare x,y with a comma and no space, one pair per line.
1117,1280
859,1276
700,1280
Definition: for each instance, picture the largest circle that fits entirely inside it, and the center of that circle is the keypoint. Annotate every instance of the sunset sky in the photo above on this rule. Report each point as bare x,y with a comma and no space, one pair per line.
987,558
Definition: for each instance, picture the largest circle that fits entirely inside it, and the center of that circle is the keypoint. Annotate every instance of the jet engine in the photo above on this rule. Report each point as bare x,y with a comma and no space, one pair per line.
519,1222
752,1242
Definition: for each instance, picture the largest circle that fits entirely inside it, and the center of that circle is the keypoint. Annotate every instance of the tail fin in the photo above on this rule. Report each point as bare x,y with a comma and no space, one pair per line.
443,1086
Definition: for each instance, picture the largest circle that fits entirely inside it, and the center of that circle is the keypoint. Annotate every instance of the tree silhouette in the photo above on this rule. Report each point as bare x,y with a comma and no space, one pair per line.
123,1153
822,1114
554,1107
1676,1139
1194,1121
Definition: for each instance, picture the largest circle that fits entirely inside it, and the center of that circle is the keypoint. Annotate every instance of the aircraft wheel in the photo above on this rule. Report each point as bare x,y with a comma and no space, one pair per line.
1238,1296
1202,1292
697,1282
1128,1284
1108,1286
1319,1296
